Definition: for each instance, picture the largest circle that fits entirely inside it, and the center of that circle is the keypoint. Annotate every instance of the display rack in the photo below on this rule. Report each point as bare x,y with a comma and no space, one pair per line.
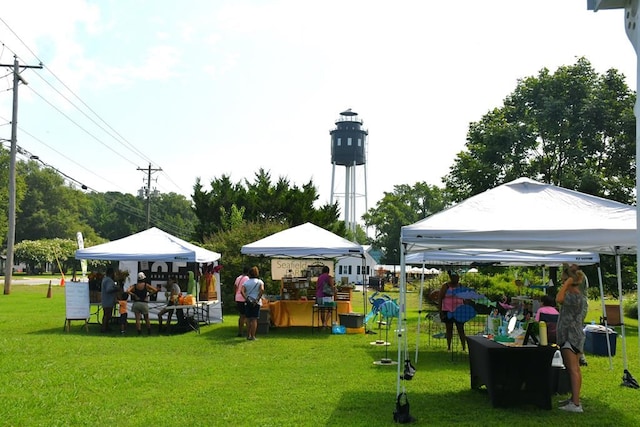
294,288
343,294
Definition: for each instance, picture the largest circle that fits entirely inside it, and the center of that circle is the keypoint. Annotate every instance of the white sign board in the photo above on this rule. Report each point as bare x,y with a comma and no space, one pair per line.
282,266
77,300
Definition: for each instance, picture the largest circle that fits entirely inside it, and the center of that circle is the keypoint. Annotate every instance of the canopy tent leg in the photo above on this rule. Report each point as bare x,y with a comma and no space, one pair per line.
365,285
604,317
419,313
624,340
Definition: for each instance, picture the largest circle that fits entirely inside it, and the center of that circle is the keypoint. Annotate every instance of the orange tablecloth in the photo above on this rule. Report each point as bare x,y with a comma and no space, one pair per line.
298,313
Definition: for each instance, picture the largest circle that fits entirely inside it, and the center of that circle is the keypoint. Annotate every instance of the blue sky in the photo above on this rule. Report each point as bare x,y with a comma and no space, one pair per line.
202,88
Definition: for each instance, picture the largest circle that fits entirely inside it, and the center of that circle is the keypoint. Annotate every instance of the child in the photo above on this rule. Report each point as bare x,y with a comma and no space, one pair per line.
122,308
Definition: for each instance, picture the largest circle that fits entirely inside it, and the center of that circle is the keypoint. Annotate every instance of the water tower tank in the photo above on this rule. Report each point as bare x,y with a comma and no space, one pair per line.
348,140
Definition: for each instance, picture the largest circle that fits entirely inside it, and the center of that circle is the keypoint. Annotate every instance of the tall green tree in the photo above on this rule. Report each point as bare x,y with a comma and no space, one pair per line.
229,243
174,214
36,254
404,206
4,193
574,128
115,215
260,201
211,206
50,208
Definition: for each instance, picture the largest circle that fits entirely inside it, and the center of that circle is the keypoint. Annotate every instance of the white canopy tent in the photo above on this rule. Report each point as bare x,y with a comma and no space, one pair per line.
524,214
303,241
153,245
149,245
308,241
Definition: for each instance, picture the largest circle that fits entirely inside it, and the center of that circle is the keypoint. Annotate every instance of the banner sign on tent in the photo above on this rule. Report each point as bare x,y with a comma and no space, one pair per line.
283,266
163,271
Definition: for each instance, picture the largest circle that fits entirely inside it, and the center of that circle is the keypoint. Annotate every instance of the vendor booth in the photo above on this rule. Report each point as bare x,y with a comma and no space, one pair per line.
162,257
297,297
499,258
525,215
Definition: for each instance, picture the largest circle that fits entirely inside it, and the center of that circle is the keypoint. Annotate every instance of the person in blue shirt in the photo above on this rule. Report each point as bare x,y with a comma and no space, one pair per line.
109,290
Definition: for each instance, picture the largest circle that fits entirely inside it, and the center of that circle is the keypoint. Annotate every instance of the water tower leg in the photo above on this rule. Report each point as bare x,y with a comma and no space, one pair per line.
333,180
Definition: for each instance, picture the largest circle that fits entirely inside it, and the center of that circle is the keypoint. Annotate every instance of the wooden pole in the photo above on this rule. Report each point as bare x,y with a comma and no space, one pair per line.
49,290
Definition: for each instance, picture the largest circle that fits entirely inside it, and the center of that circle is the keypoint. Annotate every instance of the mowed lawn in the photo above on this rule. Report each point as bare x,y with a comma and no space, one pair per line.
288,377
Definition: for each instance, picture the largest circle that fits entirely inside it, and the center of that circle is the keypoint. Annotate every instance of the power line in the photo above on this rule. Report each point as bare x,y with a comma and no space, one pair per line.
120,139
113,134
83,129
118,204
80,165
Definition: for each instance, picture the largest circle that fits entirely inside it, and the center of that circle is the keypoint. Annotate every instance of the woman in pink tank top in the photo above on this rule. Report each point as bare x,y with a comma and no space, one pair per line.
448,304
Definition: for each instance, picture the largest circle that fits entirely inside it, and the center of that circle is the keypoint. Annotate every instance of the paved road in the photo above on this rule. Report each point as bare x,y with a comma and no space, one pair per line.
32,281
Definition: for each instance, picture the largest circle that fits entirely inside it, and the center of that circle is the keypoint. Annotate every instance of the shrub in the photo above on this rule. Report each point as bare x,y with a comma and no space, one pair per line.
630,306
593,293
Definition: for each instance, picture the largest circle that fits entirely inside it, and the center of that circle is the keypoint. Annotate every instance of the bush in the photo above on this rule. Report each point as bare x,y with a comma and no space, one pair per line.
630,306
593,293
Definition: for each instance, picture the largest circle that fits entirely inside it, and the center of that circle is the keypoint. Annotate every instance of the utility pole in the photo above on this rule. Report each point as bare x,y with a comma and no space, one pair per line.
11,235
148,191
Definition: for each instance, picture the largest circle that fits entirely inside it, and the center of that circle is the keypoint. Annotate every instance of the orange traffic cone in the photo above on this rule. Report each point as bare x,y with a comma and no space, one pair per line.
49,290
62,281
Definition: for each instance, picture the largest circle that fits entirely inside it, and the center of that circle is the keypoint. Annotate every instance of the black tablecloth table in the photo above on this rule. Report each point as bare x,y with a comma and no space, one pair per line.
512,375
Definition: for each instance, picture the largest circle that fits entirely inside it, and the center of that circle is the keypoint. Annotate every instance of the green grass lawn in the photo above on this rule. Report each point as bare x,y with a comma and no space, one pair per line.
287,377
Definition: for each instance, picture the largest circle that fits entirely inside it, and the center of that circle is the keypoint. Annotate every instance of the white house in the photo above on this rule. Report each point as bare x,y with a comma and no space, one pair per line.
350,269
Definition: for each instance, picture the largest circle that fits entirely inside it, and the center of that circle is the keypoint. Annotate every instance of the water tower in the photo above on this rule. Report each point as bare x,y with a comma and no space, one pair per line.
349,149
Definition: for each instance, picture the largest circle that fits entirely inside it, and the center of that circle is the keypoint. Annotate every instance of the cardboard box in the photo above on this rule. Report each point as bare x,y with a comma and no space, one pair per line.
596,343
352,320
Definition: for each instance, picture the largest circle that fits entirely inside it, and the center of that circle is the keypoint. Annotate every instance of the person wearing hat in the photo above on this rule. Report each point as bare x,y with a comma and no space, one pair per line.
447,304
139,294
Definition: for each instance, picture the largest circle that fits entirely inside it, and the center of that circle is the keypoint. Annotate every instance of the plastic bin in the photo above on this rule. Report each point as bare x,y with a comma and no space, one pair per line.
352,320
596,343
264,322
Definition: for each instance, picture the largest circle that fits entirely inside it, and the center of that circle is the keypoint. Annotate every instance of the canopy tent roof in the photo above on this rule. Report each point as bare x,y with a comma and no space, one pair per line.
149,245
501,257
303,241
526,214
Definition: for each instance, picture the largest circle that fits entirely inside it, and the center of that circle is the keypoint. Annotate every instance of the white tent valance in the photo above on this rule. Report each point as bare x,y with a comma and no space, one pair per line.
501,257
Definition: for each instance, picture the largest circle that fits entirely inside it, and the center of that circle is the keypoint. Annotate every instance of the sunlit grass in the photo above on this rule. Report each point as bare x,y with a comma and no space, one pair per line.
288,377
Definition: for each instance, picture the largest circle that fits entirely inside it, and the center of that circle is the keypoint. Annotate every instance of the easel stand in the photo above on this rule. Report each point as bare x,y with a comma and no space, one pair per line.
386,361
380,341
67,324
